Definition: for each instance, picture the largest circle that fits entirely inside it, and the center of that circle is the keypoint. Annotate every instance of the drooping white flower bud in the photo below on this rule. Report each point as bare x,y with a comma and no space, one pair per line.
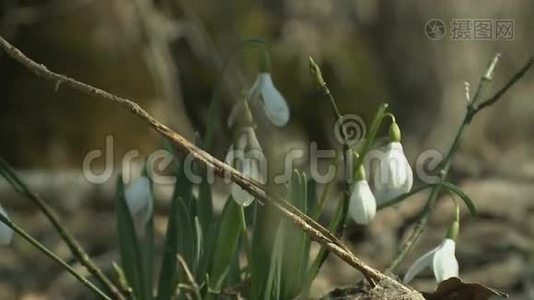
139,199
362,206
274,104
6,233
392,173
441,259
247,157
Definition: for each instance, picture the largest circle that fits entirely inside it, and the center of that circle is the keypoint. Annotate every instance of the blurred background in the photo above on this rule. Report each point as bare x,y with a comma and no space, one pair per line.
168,55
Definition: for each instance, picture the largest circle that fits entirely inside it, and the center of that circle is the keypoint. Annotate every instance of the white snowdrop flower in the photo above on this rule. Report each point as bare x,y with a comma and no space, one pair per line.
274,104
392,173
362,206
6,233
139,199
442,259
247,157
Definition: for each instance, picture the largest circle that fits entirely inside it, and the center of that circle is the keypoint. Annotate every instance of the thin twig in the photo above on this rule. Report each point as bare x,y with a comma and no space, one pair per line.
53,256
75,248
508,85
339,222
190,277
318,209
473,107
311,227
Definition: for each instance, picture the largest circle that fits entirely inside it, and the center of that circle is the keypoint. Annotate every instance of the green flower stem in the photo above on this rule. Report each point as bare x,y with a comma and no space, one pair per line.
338,224
371,135
473,107
194,286
53,256
342,210
454,228
318,76
326,191
77,251
216,96
265,61
507,86
424,215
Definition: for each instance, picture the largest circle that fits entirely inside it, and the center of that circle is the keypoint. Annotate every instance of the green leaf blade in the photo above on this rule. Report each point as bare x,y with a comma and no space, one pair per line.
128,244
458,191
226,243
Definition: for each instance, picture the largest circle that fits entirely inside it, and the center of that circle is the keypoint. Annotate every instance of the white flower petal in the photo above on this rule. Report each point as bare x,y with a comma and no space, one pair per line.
274,104
393,175
248,158
362,205
6,233
258,165
244,138
139,199
250,170
241,196
254,170
444,262
421,263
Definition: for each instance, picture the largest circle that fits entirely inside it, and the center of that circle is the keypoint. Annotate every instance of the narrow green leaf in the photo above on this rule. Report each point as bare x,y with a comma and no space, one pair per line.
402,197
295,253
180,237
371,134
311,195
273,284
128,244
458,191
262,243
204,205
178,240
265,234
207,252
199,243
322,255
226,243
147,250
233,276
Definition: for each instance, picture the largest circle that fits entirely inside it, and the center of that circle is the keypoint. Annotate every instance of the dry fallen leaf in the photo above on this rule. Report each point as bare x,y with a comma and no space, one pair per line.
454,289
